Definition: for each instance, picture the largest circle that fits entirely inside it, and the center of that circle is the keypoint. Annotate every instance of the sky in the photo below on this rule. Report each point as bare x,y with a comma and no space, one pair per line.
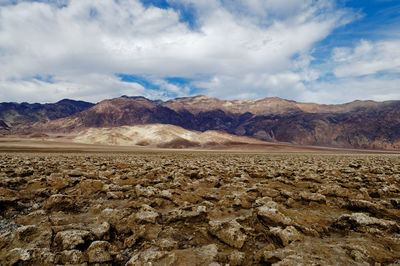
323,51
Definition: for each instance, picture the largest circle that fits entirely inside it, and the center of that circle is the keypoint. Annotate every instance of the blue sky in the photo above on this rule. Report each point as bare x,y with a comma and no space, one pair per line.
325,51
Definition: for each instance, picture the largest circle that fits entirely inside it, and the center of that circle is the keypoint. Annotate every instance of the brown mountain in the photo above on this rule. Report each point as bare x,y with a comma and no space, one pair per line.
198,104
364,127
123,111
359,124
4,127
14,115
264,106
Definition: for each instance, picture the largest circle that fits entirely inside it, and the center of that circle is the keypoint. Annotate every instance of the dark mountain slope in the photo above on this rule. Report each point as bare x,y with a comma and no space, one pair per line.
366,127
123,111
359,124
23,114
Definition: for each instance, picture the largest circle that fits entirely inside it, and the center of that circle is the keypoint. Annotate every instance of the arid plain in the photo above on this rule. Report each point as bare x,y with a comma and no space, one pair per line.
199,133
87,205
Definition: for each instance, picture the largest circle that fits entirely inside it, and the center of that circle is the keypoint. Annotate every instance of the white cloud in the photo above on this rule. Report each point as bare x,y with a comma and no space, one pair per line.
286,84
90,87
264,51
353,88
368,71
59,3
367,58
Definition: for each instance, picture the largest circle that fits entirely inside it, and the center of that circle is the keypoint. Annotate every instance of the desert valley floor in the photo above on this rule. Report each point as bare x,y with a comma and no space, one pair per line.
153,207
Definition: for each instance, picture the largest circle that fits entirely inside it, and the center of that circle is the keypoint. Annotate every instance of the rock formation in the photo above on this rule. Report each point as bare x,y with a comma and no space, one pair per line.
185,208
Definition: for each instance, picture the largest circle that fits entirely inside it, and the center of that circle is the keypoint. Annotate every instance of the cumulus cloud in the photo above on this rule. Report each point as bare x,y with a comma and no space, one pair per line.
369,70
349,89
91,87
264,50
367,58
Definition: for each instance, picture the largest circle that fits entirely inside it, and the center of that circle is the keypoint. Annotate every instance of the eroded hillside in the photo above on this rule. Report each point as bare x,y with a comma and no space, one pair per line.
360,124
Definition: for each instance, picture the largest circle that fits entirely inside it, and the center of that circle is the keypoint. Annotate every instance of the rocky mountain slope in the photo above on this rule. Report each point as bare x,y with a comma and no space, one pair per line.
117,112
158,135
264,106
4,125
364,127
359,124
19,114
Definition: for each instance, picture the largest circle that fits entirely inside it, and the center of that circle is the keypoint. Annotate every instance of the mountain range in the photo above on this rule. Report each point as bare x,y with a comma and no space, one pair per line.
359,124
14,115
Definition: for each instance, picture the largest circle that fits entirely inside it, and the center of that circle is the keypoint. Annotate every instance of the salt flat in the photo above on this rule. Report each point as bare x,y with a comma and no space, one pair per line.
203,207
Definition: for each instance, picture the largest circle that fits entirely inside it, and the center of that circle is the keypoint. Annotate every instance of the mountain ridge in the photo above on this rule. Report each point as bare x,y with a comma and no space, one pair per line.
16,114
358,124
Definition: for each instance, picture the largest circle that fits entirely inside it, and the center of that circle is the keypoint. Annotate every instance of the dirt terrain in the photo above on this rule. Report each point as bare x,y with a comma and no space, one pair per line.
199,208
66,143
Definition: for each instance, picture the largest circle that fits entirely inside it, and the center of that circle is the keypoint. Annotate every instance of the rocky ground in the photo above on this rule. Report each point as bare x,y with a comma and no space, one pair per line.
200,208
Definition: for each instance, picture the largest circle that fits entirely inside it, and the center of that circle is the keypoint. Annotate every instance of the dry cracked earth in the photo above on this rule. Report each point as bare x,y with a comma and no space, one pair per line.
199,208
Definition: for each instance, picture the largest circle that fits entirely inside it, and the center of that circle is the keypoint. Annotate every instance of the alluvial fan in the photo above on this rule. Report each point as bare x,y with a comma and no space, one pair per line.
199,208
